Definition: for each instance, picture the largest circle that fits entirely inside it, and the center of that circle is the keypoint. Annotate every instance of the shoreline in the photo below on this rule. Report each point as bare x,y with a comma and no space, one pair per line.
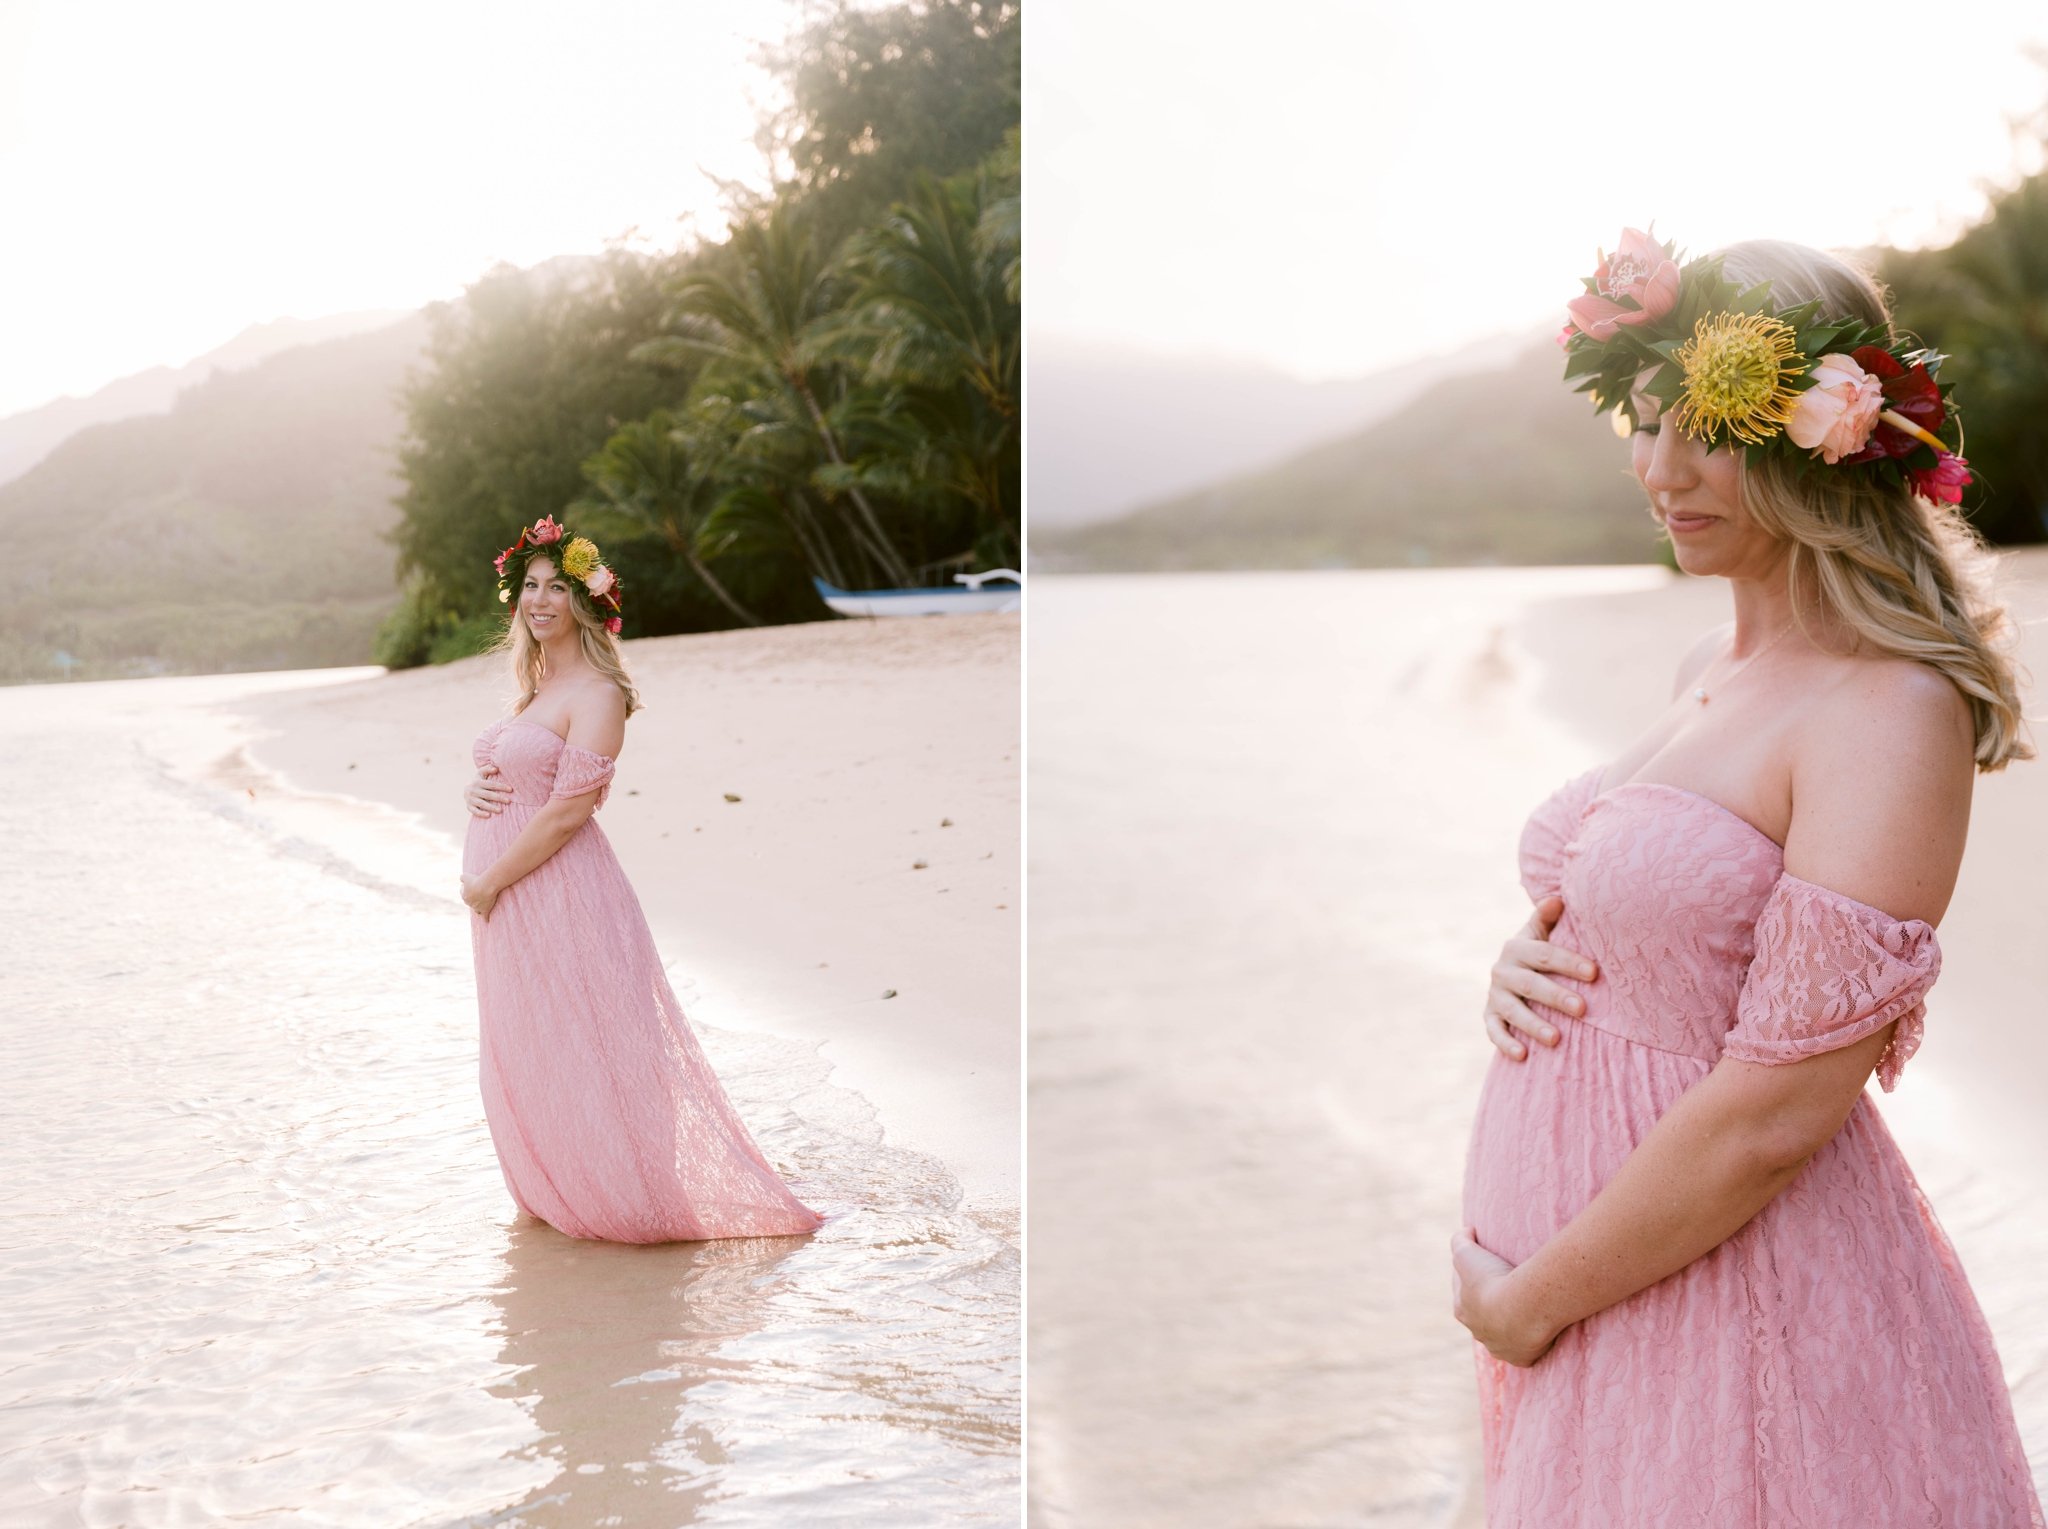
793,909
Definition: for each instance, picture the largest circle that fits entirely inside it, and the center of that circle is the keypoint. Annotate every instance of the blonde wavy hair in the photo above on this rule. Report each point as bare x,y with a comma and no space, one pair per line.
601,650
1909,577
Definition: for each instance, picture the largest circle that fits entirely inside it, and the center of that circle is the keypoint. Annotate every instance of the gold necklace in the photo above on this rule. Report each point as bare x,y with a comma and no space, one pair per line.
1699,692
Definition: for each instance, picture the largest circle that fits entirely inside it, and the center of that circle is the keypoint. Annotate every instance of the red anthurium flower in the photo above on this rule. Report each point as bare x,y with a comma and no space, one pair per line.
1909,391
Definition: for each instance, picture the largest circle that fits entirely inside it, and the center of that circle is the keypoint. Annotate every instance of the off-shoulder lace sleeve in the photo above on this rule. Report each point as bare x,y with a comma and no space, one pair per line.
1828,971
579,770
1550,828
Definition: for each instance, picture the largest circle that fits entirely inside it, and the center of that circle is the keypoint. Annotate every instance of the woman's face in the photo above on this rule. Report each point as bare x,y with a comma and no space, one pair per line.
1696,496
544,598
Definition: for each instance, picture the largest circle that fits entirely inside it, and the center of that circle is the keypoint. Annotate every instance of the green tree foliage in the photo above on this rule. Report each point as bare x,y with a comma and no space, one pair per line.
762,321
831,391
1984,301
522,380
655,487
878,97
935,308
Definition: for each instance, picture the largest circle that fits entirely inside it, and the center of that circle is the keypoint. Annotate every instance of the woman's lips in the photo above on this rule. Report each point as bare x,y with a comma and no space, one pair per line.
1679,523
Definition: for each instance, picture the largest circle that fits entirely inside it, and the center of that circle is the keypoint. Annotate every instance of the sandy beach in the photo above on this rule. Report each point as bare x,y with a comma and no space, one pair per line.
260,1259
822,822
1255,1044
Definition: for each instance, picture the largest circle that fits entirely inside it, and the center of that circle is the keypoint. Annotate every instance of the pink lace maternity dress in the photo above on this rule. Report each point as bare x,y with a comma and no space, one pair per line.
1827,1365
608,1121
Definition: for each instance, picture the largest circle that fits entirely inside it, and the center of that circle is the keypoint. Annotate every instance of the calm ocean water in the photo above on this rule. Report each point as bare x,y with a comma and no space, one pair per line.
258,1261
1272,856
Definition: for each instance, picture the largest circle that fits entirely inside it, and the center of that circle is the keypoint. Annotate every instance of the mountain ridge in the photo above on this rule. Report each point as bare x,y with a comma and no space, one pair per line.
1497,466
29,435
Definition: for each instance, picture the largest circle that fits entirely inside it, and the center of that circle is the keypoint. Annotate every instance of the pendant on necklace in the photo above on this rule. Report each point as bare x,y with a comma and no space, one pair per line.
1699,694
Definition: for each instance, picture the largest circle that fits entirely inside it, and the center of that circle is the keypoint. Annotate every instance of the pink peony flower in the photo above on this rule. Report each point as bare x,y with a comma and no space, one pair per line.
599,581
545,531
1640,270
614,625
1836,415
1944,482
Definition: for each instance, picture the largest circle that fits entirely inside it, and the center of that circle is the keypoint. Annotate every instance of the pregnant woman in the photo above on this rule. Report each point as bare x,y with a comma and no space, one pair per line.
608,1121
1705,1286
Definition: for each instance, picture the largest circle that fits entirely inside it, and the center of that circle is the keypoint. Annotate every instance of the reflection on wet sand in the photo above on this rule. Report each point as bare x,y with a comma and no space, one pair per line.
603,1346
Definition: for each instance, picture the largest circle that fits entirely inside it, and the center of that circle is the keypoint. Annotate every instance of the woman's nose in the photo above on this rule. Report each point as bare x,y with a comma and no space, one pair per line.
1672,463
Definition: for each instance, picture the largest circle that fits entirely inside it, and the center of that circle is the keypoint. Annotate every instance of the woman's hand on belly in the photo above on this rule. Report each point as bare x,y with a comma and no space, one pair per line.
1482,1297
1519,981
485,795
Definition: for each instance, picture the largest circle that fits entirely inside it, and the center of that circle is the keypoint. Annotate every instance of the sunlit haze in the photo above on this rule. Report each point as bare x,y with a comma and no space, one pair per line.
1333,188
174,173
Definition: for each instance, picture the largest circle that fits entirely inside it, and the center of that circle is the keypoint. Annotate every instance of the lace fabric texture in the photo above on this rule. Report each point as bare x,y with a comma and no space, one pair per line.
607,1118
1827,1364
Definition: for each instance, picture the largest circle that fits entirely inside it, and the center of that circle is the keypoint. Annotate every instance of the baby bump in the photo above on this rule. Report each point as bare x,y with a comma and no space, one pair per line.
486,838
1551,1130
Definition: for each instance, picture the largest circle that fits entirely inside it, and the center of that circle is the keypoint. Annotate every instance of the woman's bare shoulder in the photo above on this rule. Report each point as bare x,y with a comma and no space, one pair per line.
1883,769
1888,701
597,715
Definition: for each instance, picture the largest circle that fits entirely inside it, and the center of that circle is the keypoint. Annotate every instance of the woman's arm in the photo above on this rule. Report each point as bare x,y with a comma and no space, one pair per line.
597,722
545,832
1881,789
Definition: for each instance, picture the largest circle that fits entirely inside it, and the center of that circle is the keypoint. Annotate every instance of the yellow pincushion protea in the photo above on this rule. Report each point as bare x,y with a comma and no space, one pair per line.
1739,374
579,558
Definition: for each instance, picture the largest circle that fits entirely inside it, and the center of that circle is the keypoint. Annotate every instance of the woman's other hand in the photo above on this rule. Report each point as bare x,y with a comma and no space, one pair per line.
479,897
486,795
1483,1298
1519,980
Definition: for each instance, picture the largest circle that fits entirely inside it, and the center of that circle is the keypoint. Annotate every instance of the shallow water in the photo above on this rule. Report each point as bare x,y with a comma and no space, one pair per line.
260,1265
1273,822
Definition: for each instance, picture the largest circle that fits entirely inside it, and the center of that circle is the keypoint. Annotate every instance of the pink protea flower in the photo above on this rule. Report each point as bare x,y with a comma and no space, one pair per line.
1944,482
1638,269
545,531
615,626
599,581
1836,415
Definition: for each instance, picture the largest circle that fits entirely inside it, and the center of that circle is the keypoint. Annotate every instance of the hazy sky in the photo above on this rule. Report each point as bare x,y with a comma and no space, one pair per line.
171,173
1334,187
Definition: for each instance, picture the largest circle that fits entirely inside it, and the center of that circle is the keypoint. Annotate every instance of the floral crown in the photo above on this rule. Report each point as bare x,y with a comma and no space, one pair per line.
577,560
1731,367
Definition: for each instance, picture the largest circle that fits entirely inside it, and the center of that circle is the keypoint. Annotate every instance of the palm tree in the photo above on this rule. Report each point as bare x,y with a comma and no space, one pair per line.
766,314
644,475
935,308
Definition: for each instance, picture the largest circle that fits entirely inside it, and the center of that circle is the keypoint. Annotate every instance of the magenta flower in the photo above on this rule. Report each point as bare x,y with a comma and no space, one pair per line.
615,626
1638,271
1944,482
